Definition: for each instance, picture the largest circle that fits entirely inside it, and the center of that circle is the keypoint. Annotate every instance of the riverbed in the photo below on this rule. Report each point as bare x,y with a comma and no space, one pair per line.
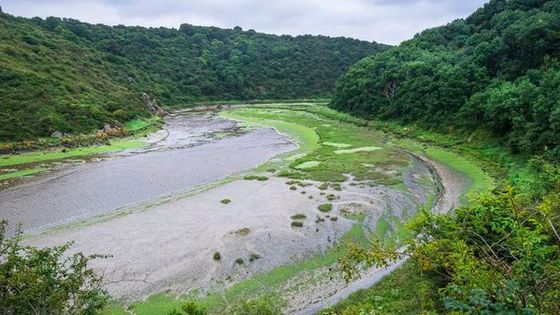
164,211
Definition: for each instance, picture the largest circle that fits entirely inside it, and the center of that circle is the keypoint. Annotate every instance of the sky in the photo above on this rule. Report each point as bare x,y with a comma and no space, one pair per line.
383,21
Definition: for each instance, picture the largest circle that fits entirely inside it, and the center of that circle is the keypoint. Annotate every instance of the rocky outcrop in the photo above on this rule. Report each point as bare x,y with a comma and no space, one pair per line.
110,131
152,105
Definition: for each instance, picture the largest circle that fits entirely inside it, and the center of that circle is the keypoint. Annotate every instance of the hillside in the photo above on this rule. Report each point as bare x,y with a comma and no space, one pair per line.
496,71
65,75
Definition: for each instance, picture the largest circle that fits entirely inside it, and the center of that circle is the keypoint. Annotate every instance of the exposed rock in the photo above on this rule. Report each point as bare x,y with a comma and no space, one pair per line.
57,134
109,130
152,105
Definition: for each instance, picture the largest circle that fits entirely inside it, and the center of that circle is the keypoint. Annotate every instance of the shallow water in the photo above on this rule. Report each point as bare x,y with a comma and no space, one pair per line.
177,162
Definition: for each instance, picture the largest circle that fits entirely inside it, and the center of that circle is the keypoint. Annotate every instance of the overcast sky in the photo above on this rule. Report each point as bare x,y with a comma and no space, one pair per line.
385,21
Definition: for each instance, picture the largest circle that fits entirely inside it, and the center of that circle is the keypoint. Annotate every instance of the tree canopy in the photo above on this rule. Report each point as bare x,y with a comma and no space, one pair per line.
69,76
496,70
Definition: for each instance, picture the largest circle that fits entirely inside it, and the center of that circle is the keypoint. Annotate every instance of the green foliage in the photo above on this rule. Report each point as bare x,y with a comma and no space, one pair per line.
406,290
69,76
260,306
297,224
225,201
217,256
325,207
497,70
190,308
47,280
299,216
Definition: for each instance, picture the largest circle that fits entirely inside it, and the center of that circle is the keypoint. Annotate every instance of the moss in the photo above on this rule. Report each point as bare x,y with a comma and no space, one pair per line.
326,207
297,224
299,216
254,256
217,256
243,232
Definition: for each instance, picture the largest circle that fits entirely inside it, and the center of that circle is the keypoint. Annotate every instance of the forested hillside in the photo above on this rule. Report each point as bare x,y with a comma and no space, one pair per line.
496,71
491,78
69,76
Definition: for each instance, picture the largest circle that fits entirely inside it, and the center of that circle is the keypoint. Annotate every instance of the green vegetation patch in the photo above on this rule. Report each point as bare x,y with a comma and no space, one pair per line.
50,155
299,216
22,173
406,290
325,207
356,150
308,164
336,145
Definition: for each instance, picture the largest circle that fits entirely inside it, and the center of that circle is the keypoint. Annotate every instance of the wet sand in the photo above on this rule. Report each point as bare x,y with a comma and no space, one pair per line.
169,247
82,191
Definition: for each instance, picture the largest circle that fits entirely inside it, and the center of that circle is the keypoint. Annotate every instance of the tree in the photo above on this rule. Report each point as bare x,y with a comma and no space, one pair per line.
46,280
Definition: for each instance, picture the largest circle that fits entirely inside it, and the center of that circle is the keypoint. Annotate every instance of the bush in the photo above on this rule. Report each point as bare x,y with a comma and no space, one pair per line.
217,256
299,216
46,280
326,207
261,306
225,201
297,224
254,256
191,308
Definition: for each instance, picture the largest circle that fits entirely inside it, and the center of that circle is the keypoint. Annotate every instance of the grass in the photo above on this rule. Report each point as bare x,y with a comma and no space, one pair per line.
297,224
299,216
254,256
22,173
308,164
394,294
243,231
50,155
217,256
325,207
315,160
356,150
256,177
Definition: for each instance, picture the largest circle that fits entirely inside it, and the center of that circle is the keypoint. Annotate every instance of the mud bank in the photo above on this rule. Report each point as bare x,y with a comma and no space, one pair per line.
175,163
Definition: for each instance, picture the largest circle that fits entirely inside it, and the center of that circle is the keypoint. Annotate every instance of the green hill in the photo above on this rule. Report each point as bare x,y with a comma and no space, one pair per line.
496,71
65,75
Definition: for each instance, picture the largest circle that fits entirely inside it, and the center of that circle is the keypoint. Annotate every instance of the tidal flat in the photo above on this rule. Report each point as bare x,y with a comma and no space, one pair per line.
160,210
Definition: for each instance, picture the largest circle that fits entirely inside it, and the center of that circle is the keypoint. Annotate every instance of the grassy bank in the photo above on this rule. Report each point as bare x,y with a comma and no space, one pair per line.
22,164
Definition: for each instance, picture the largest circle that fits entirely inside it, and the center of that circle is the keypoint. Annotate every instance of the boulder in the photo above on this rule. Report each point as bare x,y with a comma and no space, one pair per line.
57,134
152,105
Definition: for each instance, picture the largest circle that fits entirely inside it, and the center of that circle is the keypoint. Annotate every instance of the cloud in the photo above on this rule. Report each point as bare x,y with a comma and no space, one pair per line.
385,21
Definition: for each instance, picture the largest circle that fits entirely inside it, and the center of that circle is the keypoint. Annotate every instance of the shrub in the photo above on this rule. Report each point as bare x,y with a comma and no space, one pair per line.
299,216
46,280
326,207
297,224
217,256
239,261
261,306
254,256
191,308
225,201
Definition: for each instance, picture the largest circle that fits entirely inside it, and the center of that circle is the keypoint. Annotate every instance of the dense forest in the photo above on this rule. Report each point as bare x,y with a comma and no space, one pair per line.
493,77
68,76
497,70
